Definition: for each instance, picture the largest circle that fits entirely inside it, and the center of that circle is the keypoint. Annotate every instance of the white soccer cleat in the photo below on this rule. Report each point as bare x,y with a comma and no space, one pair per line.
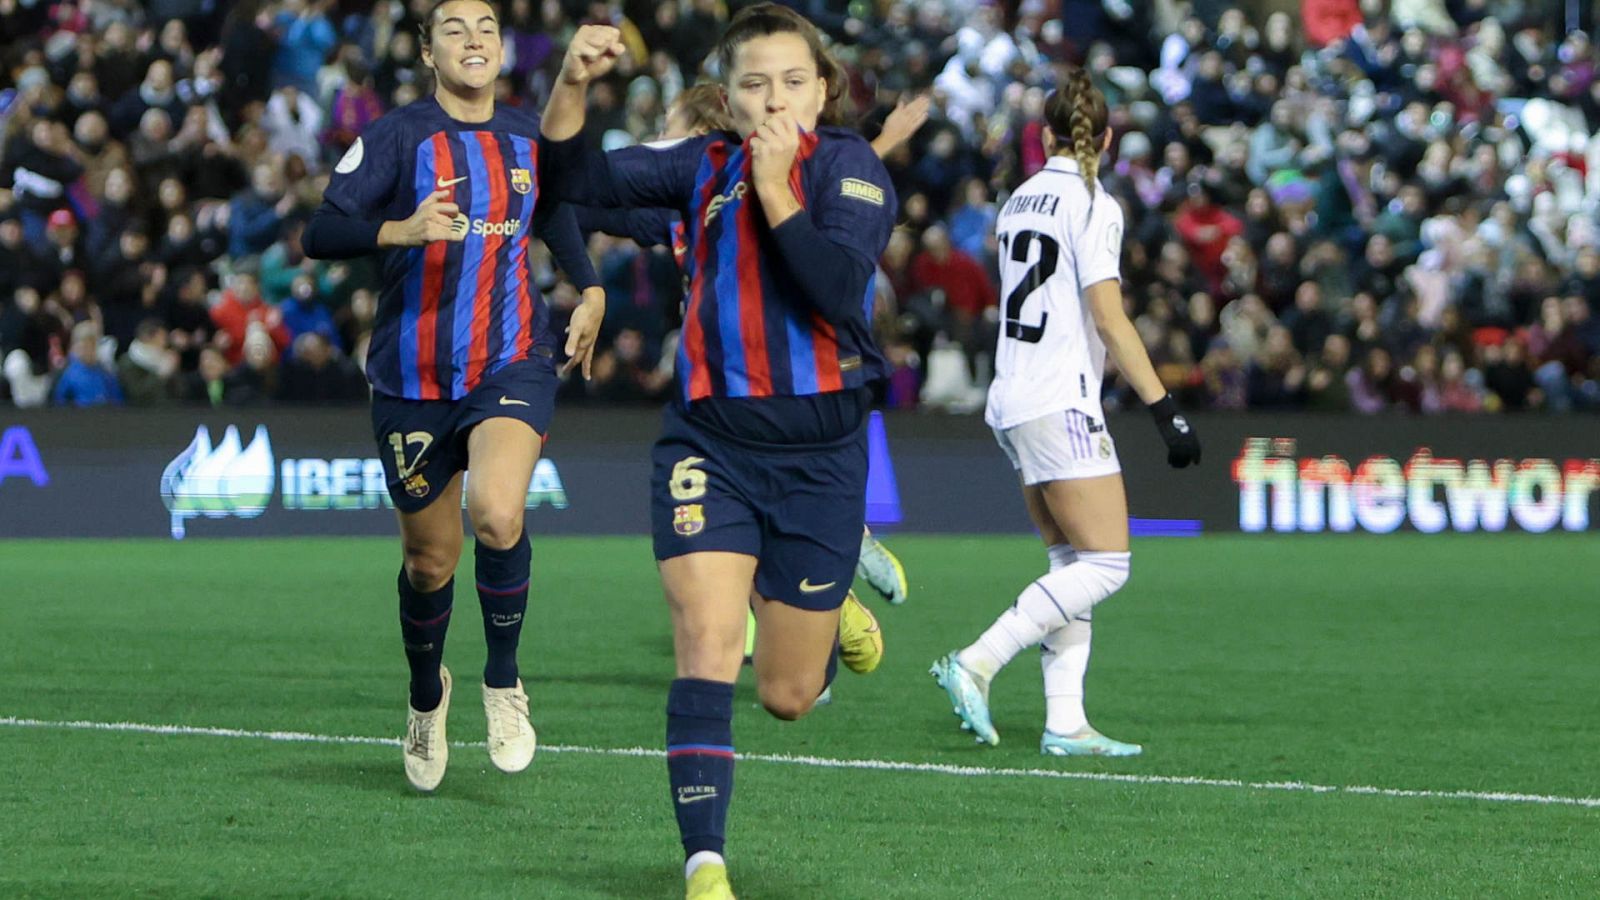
511,737
426,750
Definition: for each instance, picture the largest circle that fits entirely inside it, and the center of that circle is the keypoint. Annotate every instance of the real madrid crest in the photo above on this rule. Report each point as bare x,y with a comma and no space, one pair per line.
521,181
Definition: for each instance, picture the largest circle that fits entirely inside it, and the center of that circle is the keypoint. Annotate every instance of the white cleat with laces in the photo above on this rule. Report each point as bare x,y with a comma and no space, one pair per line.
426,750
511,737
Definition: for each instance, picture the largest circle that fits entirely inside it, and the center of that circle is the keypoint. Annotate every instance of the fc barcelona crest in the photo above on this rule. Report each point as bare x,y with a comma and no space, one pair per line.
689,519
521,181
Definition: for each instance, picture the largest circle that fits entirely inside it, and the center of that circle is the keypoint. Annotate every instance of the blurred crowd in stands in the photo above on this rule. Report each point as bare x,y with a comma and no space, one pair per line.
1365,205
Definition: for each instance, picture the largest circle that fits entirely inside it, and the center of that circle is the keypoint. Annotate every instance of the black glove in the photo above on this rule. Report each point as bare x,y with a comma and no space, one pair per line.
1183,445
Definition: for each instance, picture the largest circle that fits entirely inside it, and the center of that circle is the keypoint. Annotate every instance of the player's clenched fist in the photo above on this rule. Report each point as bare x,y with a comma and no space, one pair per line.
592,53
773,148
434,220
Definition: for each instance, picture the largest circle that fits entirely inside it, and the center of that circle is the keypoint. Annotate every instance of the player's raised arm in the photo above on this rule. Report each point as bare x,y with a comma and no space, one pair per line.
651,175
593,51
822,246
903,121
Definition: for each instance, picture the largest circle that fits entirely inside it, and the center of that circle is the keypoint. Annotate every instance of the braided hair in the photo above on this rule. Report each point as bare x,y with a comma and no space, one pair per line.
1077,115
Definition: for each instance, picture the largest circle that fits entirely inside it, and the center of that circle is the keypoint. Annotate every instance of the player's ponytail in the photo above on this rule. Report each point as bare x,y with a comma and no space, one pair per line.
766,19
1077,115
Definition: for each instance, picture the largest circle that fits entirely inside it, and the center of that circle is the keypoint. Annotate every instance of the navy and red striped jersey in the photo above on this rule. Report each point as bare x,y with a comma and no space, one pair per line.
451,312
748,331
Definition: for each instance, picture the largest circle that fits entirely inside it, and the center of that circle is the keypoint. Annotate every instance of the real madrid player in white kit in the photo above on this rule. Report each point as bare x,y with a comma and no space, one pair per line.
1060,240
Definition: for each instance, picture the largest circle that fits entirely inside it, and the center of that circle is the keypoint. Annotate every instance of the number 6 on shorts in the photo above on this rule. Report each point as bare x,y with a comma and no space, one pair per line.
688,482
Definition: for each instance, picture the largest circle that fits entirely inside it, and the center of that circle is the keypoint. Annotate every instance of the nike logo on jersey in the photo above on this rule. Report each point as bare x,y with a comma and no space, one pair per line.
806,587
443,183
507,401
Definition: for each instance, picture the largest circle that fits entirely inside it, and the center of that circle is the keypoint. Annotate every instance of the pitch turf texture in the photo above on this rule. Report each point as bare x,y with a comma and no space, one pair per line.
1438,664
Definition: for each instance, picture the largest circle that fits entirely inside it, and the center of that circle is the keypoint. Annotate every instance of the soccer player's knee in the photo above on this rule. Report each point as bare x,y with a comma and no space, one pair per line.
499,528
1107,571
428,569
787,700
709,643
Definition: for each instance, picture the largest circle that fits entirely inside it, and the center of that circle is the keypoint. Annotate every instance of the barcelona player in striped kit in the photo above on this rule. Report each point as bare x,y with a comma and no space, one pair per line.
700,109
462,356
759,480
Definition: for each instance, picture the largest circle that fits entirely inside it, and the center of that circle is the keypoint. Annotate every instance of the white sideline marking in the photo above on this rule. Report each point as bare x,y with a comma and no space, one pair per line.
821,762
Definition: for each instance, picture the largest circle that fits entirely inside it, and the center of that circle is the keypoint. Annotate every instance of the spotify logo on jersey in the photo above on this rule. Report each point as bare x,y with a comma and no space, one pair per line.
461,226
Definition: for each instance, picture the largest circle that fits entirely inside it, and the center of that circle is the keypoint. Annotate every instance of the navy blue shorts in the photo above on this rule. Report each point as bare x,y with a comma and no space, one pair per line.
799,511
423,443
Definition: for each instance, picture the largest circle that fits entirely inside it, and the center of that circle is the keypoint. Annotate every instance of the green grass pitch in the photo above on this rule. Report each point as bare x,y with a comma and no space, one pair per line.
1441,663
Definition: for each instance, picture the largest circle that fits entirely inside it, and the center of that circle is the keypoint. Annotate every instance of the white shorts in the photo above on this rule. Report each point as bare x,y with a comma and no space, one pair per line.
1060,447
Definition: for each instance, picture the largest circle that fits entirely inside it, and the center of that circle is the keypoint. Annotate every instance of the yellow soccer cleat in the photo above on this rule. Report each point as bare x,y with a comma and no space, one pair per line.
860,640
710,882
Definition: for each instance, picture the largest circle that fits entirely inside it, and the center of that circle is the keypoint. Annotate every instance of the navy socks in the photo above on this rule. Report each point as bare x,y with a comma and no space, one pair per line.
424,618
700,760
503,595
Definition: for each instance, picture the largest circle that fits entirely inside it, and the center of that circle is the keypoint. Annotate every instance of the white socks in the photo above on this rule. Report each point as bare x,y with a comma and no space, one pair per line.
698,859
1048,604
1065,659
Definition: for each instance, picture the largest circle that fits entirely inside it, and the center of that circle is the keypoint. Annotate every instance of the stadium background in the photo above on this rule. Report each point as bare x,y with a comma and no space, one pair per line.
1362,248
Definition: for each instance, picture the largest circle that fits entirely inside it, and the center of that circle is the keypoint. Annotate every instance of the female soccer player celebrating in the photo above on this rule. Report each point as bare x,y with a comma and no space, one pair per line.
1060,249
461,361
760,476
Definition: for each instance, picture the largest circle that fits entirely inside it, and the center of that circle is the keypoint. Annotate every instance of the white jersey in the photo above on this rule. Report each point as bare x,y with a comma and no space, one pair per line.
1055,241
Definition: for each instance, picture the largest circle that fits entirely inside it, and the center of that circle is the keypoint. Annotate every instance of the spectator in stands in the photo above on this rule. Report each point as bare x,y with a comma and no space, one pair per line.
254,380
1206,229
148,370
967,289
305,35
294,125
318,375
37,165
39,351
1372,383
206,385
158,91
86,381
128,283
255,214
242,307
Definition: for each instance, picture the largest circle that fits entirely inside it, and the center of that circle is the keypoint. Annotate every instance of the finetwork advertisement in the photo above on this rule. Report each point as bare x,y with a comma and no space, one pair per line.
1287,492
231,479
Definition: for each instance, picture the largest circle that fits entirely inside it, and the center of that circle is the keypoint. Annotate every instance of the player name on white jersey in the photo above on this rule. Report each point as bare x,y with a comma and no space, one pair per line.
1043,204
1056,240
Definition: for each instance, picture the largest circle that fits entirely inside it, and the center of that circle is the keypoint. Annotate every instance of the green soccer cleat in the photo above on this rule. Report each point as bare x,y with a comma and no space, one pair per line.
882,570
969,696
1087,742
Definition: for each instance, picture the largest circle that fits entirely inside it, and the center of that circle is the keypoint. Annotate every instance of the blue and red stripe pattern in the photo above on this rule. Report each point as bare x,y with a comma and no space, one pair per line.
504,591
742,336
677,750
468,307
